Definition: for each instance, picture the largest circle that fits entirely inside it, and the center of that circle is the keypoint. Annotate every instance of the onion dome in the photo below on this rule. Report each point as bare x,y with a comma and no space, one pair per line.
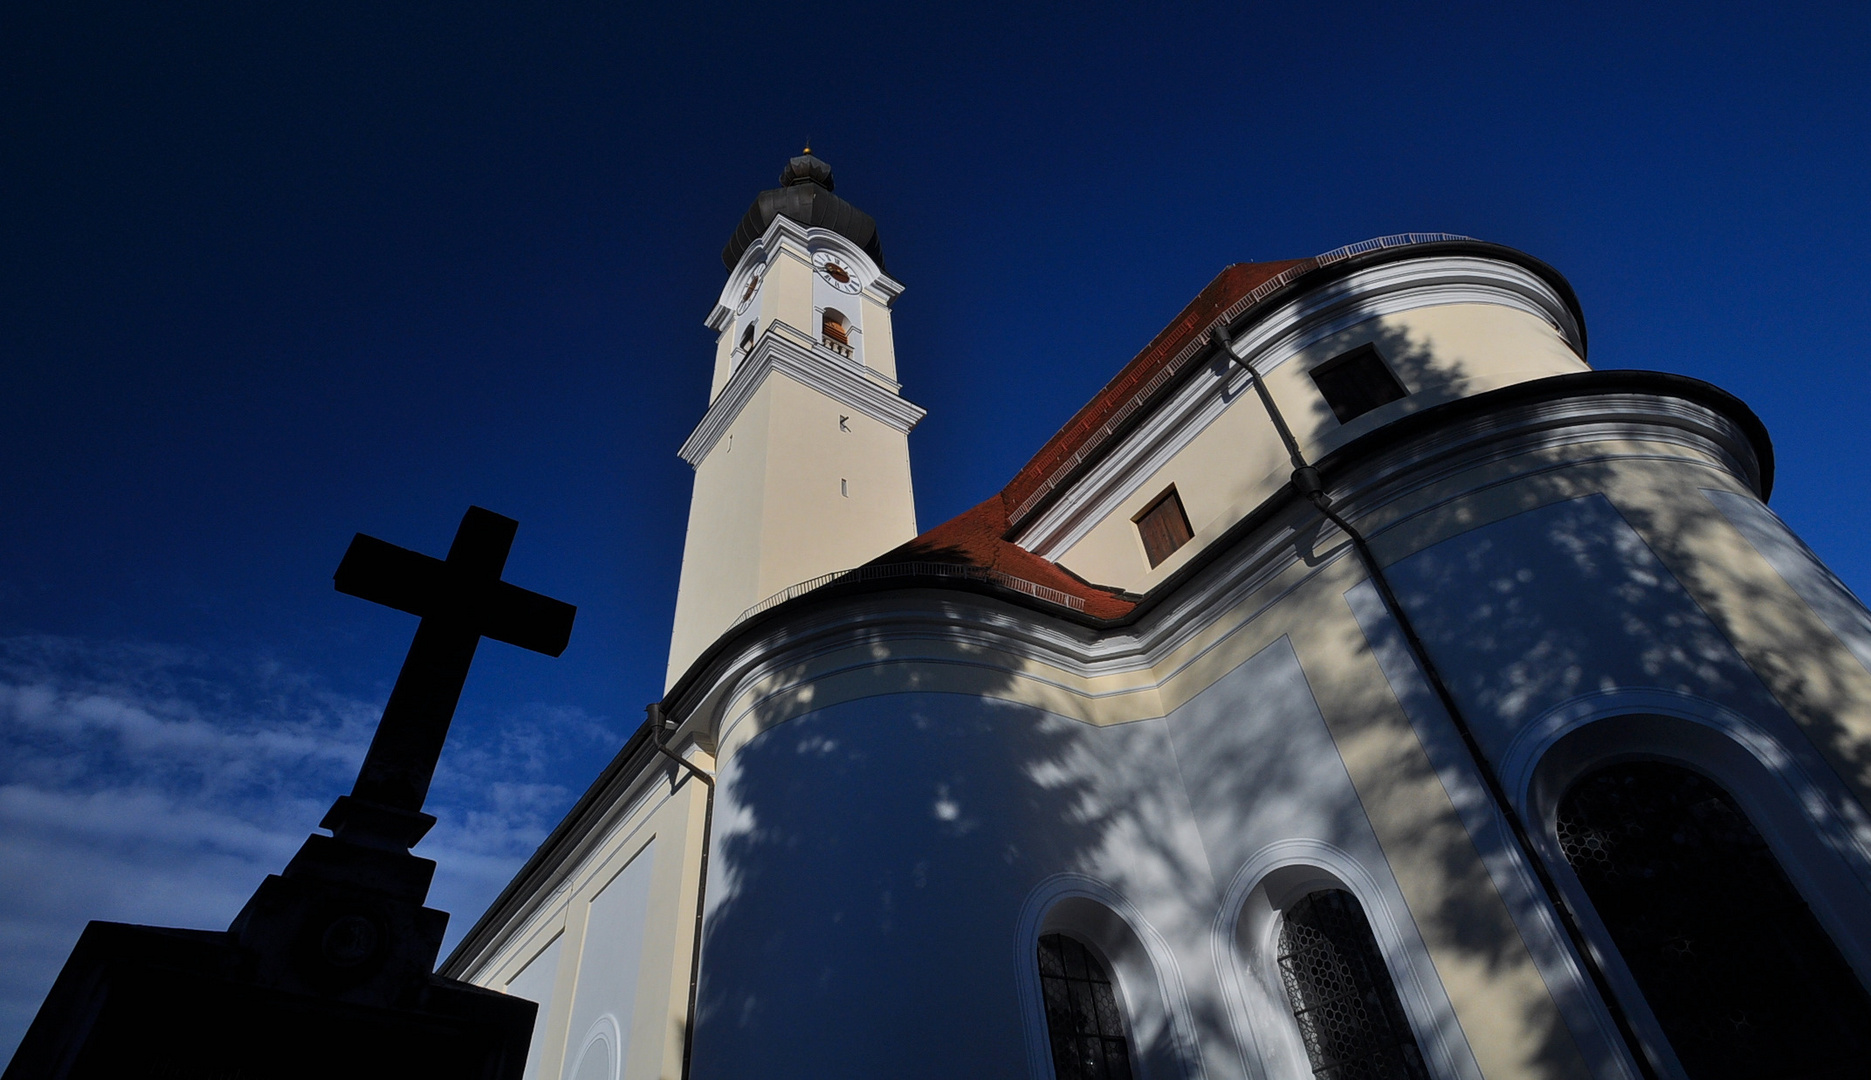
805,196
806,169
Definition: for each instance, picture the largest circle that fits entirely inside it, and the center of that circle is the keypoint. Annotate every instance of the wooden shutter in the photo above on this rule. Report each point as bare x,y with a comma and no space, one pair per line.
1164,526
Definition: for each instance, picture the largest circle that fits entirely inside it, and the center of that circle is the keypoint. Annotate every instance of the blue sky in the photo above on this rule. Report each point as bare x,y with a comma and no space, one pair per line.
270,275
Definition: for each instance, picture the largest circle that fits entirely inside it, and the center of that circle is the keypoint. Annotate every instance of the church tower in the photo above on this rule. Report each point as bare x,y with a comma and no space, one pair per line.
802,460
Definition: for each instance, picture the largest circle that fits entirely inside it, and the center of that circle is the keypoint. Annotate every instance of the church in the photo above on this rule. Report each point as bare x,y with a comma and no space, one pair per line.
1360,685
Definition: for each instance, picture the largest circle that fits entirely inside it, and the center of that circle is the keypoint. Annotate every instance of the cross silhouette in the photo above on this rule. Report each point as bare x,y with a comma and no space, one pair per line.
460,600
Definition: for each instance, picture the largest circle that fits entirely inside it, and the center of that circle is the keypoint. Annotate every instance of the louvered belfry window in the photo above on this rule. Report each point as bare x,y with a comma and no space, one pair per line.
1164,527
1342,997
835,326
1082,1015
1742,978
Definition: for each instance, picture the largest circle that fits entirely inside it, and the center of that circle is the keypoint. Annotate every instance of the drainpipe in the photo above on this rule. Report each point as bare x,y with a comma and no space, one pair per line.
659,730
1308,482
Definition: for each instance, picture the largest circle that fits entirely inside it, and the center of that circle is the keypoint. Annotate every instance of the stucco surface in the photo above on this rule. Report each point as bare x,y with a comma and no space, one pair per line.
873,859
1532,611
1439,353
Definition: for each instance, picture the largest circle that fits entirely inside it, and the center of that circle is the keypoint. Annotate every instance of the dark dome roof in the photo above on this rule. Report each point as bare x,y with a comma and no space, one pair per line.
804,195
805,168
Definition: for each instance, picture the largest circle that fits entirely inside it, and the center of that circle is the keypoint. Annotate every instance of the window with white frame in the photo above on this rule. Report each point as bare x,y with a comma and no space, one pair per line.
1349,1017
1083,1018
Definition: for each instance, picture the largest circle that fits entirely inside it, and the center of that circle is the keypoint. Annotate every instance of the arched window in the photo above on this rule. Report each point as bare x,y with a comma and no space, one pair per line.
1082,1014
1342,997
747,338
1740,975
835,333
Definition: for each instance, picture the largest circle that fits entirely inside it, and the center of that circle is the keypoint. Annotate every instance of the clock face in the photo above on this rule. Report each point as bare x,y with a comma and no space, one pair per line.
831,267
751,290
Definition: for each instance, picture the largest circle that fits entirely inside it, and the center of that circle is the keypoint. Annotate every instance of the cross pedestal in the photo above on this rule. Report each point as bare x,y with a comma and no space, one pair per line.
328,970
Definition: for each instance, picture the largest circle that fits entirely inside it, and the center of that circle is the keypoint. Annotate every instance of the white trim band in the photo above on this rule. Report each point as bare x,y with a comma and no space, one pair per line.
817,368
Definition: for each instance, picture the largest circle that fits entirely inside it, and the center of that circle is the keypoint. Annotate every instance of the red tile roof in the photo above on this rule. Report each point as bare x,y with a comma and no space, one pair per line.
1144,375
978,537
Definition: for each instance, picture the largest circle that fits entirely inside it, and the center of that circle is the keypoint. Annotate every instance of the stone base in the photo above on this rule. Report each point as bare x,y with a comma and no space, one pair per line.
183,1005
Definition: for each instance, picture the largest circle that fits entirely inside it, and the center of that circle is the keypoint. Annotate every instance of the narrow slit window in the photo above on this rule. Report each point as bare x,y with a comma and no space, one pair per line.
1357,382
1342,997
1082,1015
1164,526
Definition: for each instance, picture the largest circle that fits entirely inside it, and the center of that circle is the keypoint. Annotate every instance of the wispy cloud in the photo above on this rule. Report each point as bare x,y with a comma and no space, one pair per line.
159,785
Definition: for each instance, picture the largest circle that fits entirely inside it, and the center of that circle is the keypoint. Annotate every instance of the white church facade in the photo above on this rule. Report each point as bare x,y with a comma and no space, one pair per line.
1359,686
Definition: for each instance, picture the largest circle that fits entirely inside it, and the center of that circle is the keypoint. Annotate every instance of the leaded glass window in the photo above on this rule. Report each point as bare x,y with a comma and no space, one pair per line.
1082,1015
1342,997
1740,975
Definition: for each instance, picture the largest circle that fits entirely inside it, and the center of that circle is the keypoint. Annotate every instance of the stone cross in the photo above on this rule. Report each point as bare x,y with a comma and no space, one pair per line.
329,970
460,600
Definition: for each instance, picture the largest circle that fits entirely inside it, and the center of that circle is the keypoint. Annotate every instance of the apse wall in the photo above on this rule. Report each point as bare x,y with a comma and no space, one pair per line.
1569,643
883,867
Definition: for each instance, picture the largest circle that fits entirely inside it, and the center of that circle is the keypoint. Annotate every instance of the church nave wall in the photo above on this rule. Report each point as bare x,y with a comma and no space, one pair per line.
934,832
605,943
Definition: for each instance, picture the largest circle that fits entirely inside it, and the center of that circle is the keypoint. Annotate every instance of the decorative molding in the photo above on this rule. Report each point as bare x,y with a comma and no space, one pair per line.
605,1034
1389,289
1127,465
787,235
1200,342
882,571
1614,420
1019,641
1395,287
1804,572
615,809
1585,1015
1784,791
1825,808
817,368
998,637
1171,996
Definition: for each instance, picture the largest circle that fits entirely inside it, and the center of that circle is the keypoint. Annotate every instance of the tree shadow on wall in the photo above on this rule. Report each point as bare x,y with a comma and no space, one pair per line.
1428,380
872,856
1579,594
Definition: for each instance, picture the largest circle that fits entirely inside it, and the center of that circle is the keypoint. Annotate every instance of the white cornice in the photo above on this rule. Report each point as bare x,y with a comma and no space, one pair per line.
842,380
1392,288
787,235
1273,339
1598,428
1136,458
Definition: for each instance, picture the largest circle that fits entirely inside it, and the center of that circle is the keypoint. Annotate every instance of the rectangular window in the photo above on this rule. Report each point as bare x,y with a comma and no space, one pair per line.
1357,382
1164,526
